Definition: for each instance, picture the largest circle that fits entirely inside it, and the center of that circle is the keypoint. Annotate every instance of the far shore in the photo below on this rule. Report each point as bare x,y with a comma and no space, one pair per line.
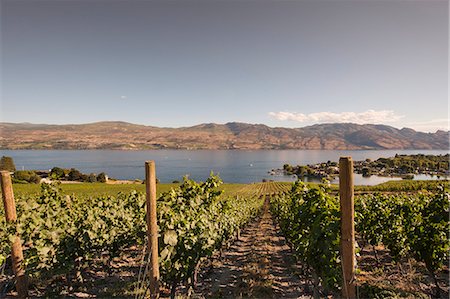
109,182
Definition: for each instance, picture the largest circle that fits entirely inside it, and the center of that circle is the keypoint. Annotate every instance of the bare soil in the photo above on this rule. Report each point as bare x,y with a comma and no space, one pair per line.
259,264
407,279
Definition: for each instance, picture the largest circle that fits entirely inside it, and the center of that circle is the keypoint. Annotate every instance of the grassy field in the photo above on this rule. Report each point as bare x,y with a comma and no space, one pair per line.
405,185
101,189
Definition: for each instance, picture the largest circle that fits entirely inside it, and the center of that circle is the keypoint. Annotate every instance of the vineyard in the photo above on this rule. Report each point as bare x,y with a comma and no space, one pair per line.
65,236
262,189
407,226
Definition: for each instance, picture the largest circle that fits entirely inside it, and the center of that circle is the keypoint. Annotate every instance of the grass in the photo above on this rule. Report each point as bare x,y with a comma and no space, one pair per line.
405,185
101,189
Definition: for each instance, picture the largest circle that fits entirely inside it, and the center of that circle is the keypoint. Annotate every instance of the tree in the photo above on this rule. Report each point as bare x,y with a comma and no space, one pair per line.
405,168
74,175
84,177
366,172
303,170
7,163
101,178
288,169
57,173
26,176
92,178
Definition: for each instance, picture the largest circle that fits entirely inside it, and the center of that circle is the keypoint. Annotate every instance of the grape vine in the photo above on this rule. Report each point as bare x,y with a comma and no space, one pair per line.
63,234
407,225
194,220
309,218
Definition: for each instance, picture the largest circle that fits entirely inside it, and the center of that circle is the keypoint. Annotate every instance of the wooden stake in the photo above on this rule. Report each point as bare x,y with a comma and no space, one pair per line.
16,248
346,193
8,197
152,226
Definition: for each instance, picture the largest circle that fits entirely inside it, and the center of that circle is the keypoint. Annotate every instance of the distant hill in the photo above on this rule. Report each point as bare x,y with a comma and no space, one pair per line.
233,135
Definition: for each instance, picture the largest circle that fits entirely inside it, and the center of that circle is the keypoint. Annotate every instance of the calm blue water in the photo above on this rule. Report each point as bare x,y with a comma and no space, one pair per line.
233,166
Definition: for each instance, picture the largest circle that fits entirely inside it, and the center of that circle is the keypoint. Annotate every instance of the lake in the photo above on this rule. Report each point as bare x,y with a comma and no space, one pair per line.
233,166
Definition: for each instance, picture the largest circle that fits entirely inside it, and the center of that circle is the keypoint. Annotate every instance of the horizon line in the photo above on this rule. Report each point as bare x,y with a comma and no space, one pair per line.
209,123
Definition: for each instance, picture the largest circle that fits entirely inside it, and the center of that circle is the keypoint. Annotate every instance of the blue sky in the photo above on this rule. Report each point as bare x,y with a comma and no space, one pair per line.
181,63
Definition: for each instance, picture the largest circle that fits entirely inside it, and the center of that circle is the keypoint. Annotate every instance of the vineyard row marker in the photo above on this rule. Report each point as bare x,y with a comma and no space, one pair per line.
152,226
16,248
346,195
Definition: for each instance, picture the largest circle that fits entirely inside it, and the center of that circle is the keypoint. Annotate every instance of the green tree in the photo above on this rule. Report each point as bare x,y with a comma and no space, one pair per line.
92,178
366,172
288,169
26,176
303,170
101,178
75,175
7,163
57,173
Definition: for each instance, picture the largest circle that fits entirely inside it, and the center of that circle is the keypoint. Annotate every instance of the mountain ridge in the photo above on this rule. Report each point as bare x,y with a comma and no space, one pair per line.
231,135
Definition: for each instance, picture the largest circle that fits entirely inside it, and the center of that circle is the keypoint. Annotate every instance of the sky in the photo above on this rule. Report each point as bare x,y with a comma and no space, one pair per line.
184,62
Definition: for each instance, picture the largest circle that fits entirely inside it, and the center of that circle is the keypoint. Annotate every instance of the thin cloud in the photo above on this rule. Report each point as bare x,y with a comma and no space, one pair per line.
431,125
366,117
123,97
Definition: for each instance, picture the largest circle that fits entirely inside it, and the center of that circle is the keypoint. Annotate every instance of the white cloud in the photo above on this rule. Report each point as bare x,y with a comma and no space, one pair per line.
431,125
366,117
123,97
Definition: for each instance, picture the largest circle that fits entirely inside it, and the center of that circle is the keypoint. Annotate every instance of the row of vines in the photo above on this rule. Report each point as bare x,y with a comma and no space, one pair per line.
194,221
64,234
266,188
409,226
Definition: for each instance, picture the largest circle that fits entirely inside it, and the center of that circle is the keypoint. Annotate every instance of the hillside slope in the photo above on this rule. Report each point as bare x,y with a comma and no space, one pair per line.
122,135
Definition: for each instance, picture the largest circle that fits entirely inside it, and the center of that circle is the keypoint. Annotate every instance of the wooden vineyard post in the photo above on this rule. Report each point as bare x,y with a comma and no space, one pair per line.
347,226
152,227
16,248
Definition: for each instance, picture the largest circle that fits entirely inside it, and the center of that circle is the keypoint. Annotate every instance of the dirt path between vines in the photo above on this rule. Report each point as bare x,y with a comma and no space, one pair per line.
257,265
